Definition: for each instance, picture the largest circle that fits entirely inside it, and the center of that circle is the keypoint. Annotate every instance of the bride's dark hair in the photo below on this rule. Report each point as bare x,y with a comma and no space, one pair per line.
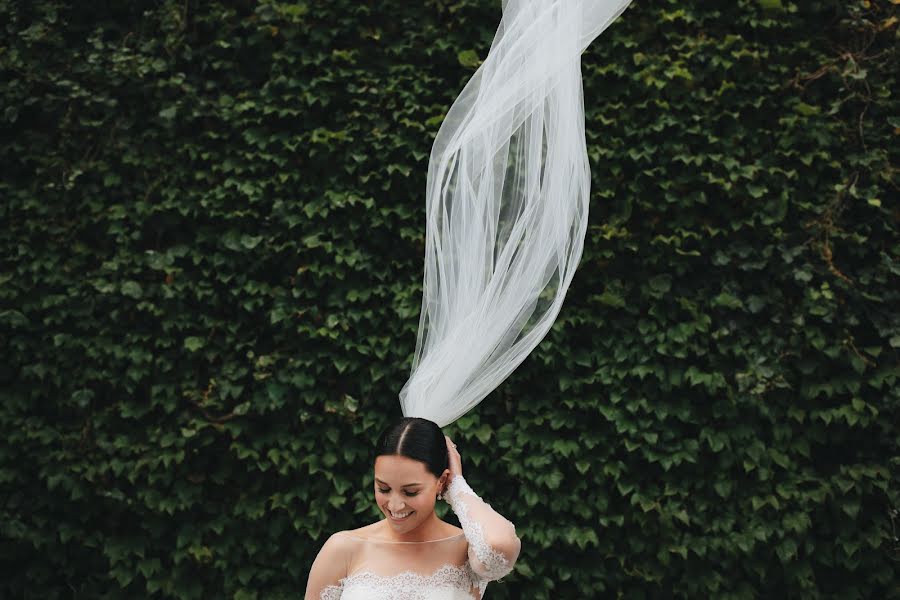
418,439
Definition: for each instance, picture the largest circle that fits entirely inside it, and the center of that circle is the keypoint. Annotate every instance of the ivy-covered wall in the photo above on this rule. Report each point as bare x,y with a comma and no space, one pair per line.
213,219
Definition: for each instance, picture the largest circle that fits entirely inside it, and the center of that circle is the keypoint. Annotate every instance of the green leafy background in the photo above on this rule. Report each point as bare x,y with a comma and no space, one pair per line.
212,252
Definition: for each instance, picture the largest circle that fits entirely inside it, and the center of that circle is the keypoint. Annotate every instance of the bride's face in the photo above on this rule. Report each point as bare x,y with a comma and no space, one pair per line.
404,485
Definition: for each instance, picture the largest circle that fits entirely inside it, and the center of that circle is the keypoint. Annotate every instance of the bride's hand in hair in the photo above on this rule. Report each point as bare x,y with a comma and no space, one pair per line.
455,465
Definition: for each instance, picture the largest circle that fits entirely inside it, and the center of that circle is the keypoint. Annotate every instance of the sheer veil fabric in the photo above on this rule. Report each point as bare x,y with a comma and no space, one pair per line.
506,206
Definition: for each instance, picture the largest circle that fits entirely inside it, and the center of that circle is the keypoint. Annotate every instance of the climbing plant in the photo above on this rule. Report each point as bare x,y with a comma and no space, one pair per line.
212,241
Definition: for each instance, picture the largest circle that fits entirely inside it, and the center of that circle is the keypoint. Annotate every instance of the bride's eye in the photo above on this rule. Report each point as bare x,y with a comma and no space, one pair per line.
407,493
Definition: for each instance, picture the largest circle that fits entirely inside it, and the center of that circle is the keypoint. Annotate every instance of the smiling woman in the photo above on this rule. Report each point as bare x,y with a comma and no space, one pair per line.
411,469
412,553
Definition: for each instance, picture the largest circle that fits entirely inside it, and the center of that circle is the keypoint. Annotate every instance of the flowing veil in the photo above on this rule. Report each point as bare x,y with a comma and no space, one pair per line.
506,206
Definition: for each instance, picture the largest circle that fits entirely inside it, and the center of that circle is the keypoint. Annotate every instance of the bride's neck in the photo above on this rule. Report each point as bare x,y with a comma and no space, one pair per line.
430,529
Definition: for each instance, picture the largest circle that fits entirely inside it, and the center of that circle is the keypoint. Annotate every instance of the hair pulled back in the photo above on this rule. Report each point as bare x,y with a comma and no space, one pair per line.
416,438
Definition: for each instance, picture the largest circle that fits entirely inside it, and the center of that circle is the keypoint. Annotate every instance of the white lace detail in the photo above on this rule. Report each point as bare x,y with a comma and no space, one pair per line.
494,562
331,592
406,585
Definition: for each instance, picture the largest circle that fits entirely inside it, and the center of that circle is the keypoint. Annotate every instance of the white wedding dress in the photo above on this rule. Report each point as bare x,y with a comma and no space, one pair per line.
458,567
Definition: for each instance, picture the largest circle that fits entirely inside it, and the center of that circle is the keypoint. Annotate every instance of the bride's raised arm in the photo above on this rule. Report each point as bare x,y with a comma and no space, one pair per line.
493,543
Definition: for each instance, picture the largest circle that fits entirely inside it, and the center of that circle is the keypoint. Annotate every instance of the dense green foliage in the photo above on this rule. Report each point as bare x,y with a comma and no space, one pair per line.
213,232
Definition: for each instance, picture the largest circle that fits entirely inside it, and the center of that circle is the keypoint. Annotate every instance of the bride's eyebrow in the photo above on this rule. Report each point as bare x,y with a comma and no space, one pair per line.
407,485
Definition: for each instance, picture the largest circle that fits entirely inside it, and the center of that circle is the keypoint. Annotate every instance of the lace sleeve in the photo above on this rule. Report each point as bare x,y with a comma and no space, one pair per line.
493,543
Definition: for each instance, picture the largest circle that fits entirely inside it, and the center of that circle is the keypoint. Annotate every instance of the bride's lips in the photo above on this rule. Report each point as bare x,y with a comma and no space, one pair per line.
396,520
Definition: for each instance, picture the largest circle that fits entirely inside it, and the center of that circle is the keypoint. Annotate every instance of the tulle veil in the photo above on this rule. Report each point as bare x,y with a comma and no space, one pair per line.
506,206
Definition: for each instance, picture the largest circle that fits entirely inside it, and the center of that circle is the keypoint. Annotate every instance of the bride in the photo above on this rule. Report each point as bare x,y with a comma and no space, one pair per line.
411,553
507,196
